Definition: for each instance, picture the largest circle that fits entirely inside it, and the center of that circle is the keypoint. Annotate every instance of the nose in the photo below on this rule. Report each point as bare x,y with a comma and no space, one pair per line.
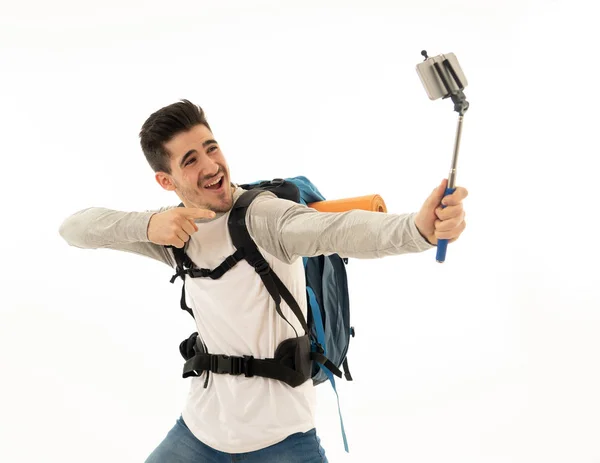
208,167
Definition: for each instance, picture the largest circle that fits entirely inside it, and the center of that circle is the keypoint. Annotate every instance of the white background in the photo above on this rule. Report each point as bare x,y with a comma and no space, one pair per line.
490,357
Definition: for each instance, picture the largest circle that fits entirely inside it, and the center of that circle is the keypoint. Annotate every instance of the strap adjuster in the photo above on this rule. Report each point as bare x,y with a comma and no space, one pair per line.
229,263
247,362
262,267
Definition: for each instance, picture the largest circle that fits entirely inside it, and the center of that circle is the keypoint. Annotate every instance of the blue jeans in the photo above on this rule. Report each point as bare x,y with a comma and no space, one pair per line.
181,446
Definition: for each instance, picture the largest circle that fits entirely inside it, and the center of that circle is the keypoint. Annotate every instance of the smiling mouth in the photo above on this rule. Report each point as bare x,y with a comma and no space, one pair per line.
215,184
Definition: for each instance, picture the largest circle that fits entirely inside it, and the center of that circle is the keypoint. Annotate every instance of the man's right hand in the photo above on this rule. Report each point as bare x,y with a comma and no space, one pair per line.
175,226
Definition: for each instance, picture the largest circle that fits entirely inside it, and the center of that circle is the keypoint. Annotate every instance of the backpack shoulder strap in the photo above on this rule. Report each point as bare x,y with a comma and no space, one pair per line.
181,261
243,241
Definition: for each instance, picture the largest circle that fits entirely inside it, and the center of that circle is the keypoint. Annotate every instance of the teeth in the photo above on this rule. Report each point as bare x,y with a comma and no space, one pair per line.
214,183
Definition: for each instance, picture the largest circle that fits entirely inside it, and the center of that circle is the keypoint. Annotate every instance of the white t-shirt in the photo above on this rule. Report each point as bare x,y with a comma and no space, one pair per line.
235,315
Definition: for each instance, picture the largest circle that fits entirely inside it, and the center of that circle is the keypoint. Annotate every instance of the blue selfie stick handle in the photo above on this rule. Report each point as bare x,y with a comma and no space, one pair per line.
442,245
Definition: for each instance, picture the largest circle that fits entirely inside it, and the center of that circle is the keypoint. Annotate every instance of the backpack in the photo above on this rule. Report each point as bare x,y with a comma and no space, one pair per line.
321,350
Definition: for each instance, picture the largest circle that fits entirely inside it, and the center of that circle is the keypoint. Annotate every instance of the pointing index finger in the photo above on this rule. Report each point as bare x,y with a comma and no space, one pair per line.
199,213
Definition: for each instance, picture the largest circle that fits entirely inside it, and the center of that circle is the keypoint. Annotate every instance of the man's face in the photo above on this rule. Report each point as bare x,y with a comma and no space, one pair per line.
199,172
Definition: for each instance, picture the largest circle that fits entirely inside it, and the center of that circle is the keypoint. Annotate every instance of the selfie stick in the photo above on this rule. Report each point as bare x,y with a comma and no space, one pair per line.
460,106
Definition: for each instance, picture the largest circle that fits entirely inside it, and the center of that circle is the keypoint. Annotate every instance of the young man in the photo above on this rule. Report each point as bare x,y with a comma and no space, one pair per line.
229,415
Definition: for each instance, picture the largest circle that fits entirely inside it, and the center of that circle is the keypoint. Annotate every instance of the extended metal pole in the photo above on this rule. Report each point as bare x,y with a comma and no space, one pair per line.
452,176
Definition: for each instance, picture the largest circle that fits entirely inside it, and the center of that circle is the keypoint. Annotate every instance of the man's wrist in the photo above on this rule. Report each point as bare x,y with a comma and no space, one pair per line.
424,237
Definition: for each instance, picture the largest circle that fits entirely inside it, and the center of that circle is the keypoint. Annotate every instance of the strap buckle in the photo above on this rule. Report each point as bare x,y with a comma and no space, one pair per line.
198,272
226,364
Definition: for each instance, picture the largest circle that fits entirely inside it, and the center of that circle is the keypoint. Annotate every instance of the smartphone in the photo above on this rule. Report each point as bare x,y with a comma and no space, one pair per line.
451,80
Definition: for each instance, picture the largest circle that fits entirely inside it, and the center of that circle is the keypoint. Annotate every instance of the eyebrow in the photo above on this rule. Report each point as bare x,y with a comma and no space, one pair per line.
190,152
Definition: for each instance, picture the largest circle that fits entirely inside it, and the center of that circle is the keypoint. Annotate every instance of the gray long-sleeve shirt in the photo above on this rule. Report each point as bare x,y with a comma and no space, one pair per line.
284,228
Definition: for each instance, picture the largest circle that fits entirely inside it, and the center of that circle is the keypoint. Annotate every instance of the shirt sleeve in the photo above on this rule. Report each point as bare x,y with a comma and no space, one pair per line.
289,230
98,227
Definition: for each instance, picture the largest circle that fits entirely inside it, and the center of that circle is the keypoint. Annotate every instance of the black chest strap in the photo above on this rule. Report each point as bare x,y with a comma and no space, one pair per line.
215,274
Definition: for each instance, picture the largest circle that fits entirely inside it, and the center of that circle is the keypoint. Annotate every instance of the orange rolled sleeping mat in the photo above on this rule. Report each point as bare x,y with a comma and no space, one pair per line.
372,203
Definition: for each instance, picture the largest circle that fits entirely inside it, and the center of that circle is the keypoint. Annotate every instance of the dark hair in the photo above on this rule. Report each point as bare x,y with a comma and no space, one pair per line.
162,126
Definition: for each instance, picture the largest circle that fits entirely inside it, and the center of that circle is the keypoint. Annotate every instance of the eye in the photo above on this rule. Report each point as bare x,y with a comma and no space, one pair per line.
210,148
190,161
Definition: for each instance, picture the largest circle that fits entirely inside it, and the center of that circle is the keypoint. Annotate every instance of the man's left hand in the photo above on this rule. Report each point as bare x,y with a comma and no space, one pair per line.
437,223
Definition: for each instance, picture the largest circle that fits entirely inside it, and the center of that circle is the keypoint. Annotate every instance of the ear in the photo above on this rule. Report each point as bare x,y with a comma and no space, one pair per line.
164,180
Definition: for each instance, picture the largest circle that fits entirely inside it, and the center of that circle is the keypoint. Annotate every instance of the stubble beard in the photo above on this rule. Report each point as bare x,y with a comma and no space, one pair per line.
226,203
221,204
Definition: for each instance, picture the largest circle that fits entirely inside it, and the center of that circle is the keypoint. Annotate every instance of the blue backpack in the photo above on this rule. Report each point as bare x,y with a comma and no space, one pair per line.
321,350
